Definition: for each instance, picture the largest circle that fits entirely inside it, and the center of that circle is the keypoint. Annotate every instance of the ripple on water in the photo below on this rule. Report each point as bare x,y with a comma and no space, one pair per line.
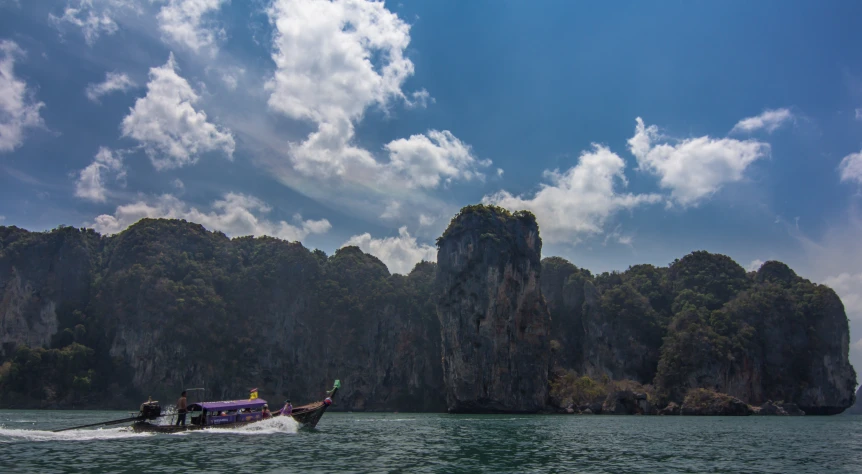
446,444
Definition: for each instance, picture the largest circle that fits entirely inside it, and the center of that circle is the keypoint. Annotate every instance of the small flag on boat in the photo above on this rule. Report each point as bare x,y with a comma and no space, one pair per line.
252,394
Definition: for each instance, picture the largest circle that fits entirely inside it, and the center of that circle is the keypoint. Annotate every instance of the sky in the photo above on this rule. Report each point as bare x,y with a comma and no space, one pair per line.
636,132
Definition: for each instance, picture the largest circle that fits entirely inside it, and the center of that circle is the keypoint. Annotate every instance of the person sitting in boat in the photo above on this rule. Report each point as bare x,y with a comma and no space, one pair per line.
288,408
265,412
181,409
327,401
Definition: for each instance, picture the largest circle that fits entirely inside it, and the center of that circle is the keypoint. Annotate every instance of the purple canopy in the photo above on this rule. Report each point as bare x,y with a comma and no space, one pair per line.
229,405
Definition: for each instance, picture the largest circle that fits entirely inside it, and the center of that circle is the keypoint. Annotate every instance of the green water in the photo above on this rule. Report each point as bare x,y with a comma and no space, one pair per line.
441,443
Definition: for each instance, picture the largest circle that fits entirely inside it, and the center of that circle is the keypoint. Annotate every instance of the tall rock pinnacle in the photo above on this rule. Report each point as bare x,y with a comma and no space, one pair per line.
494,320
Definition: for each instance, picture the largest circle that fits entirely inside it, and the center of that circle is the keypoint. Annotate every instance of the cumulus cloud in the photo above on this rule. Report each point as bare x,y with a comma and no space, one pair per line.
234,214
423,160
769,120
851,168
400,254
93,17
334,60
18,108
858,114
166,123
184,22
91,180
695,168
114,81
578,202
324,53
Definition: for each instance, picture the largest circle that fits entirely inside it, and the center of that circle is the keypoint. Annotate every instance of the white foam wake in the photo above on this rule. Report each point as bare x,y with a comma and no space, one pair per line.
279,424
10,435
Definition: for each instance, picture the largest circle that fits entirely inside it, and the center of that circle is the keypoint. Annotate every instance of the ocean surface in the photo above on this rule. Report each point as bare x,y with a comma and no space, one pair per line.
440,443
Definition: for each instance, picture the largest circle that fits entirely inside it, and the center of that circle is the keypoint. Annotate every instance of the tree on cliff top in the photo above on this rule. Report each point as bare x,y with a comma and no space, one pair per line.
487,214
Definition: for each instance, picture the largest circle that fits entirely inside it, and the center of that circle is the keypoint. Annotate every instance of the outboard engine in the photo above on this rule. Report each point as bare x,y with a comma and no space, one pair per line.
150,410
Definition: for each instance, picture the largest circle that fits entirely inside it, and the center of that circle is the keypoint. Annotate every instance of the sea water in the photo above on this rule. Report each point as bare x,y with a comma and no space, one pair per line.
440,443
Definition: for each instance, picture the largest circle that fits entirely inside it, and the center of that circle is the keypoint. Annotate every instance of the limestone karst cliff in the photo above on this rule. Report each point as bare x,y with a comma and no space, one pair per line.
494,320
166,305
703,322
43,282
91,320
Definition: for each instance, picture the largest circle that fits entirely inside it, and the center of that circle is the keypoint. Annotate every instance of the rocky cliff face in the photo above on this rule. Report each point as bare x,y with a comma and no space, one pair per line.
172,305
704,323
166,305
610,330
562,285
42,281
495,323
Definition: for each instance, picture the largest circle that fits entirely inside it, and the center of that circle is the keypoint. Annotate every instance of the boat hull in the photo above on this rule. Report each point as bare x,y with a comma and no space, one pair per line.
307,416
147,427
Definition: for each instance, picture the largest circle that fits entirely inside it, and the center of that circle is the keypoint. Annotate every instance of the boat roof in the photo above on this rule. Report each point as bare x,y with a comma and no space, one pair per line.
231,404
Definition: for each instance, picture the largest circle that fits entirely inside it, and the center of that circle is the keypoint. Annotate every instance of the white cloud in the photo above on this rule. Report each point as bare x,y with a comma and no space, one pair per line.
333,61
858,114
425,221
234,214
178,183
857,346
755,265
2,218
769,120
423,160
420,99
617,236
113,82
182,22
18,109
849,288
400,254
392,210
325,54
90,184
167,125
578,202
695,168
851,168
231,76
94,18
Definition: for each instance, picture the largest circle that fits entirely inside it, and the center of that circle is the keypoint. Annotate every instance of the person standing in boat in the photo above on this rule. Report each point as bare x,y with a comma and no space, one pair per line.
265,414
181,409
288,408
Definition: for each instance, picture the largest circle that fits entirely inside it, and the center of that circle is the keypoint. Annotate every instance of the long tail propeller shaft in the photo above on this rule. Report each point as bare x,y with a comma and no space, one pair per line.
104,423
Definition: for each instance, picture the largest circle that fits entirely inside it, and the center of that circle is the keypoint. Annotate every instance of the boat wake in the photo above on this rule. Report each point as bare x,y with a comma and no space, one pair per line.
280,424
11,435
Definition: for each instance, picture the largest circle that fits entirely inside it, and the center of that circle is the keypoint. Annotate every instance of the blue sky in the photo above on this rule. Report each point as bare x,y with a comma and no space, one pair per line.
372,124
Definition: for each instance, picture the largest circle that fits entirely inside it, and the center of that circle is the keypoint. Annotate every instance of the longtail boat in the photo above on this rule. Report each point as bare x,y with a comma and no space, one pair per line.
220,414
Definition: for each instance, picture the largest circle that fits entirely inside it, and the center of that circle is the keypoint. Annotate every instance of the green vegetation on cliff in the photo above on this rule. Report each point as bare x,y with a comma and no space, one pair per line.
703,322
167,304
